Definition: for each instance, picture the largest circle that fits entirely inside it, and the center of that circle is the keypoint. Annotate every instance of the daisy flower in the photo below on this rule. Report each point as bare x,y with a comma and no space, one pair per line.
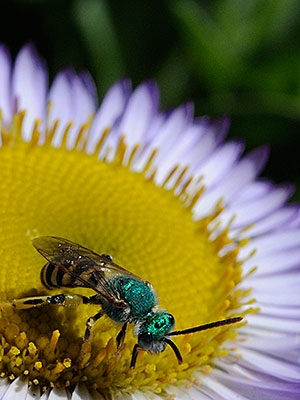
174,204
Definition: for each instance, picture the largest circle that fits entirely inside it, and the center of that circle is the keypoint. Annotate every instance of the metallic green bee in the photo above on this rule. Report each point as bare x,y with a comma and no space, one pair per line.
123,296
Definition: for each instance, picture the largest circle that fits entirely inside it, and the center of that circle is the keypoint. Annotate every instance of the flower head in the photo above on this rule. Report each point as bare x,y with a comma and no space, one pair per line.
164,195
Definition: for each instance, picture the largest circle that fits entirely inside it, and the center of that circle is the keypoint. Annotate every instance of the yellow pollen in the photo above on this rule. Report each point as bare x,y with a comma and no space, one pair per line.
149,230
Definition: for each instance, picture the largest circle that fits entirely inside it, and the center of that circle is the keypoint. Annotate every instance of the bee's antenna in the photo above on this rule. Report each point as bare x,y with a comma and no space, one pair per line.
175,349
204,327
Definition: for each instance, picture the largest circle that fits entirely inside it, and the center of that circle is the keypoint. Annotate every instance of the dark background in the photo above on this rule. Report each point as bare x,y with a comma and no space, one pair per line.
234,57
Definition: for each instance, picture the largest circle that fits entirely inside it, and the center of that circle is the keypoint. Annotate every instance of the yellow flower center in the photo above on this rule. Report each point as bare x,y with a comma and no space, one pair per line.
148,229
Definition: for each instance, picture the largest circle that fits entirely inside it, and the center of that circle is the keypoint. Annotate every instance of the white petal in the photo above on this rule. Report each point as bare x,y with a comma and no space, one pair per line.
275,367
243,173
252,211
16,390
70,101
138,114
33,393
251,192
272,243
58,394
83,107
143,156
261,281
277,220
284,343
272,264
257,388
191,135
81,393
223,391
29,86
166,139
6,104
220,162
61,106
273,324
4,385
211,138
109,113
282,298
283,312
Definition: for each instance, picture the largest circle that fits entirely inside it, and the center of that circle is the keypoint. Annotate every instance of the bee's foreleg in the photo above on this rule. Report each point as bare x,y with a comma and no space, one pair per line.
121,336
58,299
87,340
90,323
134,355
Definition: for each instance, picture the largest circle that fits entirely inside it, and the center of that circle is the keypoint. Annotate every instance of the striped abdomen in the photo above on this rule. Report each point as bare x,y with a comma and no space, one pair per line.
84,273
53,277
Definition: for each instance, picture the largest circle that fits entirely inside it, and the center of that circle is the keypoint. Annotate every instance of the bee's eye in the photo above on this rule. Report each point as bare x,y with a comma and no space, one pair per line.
107,256
145,340
171,319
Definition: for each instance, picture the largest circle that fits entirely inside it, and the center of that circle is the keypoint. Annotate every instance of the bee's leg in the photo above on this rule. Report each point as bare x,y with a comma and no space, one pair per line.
90,323
134,355
121,336
87,340
58,299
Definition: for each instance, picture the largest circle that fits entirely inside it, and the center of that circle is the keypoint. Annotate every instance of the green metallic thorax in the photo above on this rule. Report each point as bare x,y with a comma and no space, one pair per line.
137,295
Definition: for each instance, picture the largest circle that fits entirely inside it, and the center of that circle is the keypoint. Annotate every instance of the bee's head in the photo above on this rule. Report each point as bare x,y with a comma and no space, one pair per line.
153,330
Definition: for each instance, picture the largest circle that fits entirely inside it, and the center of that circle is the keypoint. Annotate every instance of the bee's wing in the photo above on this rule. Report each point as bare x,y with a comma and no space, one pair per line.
68,255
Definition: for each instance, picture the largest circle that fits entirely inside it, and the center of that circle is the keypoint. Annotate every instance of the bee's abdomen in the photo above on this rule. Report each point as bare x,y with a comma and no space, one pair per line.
53,277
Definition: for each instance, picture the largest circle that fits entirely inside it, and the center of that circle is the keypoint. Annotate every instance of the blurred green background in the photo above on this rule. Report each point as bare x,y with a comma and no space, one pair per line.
236,57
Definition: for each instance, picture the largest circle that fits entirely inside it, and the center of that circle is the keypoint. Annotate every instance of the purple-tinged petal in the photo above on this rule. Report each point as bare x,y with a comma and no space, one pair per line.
284,347
83,107
264,362
295,221
220,162
251,192
29,87
214,135
109,112
140,109
166,138
260,387
273,325
247,213
6,104
280,299
177,155
271,263
271,243
223,391
284,313
238,177
90,87
143,156
279,219
61,106
280,344
277,279
70,101
174,124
